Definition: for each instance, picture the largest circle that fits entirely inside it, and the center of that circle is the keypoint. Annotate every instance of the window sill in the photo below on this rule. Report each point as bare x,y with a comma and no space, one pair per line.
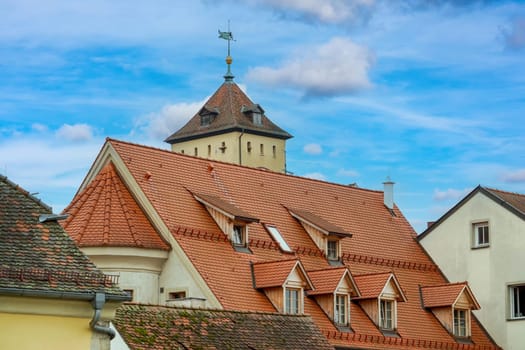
480,246
242,249
390,333
516,319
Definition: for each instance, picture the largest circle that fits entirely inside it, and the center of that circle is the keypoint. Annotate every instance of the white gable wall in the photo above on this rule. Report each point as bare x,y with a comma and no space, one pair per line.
488,270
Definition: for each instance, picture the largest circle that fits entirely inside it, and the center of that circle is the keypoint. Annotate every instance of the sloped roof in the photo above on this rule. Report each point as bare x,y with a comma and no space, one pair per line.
446,295
154,327
105,214
274,273
229,102
229,208
38,257
380,244
371,285
312,219
325,281
514,202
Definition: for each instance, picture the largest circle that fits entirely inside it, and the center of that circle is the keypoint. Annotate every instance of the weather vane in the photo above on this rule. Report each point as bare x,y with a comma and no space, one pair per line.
227,36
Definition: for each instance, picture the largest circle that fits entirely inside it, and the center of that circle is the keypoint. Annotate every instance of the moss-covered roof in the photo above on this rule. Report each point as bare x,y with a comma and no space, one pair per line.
158,327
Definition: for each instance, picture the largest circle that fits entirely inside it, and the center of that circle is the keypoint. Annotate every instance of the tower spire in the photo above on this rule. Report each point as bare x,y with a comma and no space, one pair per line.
228,77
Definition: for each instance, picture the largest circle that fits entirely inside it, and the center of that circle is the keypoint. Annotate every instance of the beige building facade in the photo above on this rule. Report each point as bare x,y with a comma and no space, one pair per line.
482,240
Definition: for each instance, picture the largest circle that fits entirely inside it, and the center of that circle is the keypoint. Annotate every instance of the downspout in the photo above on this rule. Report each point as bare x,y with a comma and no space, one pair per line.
98,303
240,146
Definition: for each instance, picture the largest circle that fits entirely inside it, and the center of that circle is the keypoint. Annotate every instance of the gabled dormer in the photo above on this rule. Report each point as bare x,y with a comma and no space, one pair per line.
325,235
334,288
380,294
232,220
451,304
284,283
254,112
207,115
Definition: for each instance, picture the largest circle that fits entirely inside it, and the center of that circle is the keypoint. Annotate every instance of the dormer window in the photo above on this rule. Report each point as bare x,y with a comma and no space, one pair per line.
381,293
232,220
387,314
284,283
332,249
239,235
333,288
292,300
341,309
460,322
451,304
257,118
324,234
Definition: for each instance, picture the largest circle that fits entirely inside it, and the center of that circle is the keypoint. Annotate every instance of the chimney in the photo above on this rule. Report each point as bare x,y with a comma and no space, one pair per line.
388,193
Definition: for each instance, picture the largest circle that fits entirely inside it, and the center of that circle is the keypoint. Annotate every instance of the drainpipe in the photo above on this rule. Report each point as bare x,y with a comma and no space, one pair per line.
240,147
98,303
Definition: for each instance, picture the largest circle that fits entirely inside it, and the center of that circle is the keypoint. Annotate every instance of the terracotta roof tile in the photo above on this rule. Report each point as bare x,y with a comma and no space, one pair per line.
381,243
154,327
105,214
319,222
39,255
229,102
445,294
225,206
325,281
273,273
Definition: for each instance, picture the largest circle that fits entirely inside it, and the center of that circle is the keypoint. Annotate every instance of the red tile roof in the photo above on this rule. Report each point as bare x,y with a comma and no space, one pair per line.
371,285
321,223
516,200
274,273
381,243
231,209
228,102
445,294
105,214
325,281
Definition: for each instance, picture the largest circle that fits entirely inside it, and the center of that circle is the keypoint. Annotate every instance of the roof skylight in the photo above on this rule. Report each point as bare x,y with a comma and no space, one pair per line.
276,235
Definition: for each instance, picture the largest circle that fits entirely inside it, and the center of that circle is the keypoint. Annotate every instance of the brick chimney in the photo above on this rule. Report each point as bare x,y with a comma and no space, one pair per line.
388,193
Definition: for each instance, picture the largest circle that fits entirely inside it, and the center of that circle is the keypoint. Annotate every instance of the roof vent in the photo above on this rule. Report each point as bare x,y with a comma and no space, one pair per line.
388,193
52,217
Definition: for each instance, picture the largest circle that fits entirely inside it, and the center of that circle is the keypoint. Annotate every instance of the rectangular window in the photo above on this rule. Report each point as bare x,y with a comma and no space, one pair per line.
181,294
276,235
481,234
332,250
341,307
386,314
292,300
517,301
274,151
195,151
460,323
249,146
130,293
238,235
261,149
209,151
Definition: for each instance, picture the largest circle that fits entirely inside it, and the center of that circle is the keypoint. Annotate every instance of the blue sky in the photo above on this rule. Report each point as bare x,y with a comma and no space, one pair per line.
429,93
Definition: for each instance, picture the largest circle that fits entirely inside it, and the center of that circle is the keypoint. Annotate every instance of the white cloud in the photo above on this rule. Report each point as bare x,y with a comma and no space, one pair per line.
39,127
450,194
77,132
161,124
514,176
337,67
515,35
327,11
313,149
347,172
316,176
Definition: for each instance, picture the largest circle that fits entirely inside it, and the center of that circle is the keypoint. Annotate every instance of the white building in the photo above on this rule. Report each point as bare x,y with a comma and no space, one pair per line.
482,240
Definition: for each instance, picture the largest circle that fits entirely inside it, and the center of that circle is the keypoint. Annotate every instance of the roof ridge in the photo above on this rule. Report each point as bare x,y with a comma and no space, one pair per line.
257,169
26,193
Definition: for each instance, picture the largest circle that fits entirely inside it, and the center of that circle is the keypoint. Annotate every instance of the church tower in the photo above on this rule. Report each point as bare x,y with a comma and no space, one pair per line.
231,128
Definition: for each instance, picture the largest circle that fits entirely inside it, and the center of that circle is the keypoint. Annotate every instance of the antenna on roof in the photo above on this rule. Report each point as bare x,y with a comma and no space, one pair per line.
228,77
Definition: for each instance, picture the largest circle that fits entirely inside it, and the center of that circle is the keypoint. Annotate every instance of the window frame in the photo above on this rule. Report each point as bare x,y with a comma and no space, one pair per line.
460,323
298,307
515,308
329,256
476,234
345,319
239,235
383,317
